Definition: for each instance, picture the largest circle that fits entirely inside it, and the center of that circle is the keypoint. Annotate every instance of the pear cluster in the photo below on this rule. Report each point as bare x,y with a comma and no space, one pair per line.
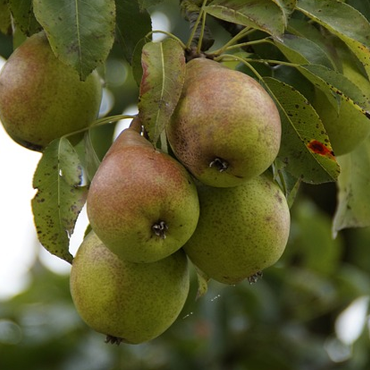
130,278
211,202
226,131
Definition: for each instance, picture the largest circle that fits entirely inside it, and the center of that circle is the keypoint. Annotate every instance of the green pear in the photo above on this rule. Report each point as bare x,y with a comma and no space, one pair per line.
241,230
142,203
225,129
130,302
345,130
42,99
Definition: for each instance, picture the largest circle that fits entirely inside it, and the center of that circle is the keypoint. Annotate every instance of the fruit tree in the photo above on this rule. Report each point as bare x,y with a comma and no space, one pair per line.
228,221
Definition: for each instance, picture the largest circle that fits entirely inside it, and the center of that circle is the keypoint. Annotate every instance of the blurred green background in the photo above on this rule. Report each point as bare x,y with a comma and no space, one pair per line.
309,312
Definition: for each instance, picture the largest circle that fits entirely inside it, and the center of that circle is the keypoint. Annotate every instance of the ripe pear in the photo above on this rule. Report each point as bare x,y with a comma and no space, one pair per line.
225,129
41,98
130,302
241,230
142,203
345,130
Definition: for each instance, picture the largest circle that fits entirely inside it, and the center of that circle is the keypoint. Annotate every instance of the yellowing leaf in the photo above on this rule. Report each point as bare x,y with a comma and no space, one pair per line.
59,197
305,147
344,21
161,84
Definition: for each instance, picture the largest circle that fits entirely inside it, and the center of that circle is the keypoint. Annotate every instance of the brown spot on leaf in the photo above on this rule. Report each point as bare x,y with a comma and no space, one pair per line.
319,148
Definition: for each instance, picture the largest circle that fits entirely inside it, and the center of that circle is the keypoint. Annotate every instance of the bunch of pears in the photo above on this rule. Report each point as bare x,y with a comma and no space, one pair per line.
210,201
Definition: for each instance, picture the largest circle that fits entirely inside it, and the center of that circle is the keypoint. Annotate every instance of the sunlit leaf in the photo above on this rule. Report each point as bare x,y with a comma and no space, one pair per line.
353,189
60,197
344,21
81,33
132,26
264,14
163,77
305,147
22,12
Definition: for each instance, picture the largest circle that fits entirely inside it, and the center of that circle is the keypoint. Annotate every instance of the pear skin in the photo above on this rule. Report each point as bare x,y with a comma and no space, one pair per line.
42,99
142,203
225,129
241,230
127,301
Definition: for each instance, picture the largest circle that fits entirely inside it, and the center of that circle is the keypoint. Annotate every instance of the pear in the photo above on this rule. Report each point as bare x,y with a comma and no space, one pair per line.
41,98
225,129
345,130
127,301
241,230
142,203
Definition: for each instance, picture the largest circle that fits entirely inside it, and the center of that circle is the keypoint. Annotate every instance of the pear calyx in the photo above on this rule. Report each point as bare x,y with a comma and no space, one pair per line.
113,340
220,164
255,277
160,229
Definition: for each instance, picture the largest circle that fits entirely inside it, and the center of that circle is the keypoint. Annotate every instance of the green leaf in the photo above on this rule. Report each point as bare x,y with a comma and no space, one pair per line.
302,51
305,148
344,21
307,30
5,20
145,4
287,7
288,183
22,12
337,88
81,33
312,243
163,77
132,26
362,6
353,189
60,197
264,14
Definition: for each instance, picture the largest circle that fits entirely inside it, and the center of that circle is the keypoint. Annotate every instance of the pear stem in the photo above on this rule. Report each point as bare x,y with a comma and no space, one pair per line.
199,46
135,125
194,30
100,122
248,61
231,43
160,229
172,36
248,43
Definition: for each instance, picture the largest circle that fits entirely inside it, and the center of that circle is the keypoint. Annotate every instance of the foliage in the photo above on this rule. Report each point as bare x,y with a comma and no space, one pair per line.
291,48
